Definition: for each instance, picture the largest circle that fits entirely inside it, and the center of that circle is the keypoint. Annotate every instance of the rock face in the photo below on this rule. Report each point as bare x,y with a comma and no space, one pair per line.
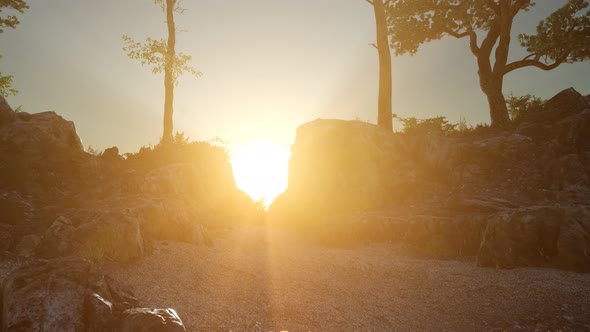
74,295
493,195
107,208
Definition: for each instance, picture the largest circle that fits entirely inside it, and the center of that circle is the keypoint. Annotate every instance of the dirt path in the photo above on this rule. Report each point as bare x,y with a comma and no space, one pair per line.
258,279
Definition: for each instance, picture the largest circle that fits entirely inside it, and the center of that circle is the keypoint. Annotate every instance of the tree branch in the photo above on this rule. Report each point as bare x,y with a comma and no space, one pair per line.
535,63
468,33
371,2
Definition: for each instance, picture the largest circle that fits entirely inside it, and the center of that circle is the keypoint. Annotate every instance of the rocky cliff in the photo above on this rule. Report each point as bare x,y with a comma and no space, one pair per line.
512,198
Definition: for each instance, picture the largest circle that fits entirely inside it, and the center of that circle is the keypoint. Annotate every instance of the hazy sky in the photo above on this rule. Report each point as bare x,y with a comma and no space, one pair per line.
269,66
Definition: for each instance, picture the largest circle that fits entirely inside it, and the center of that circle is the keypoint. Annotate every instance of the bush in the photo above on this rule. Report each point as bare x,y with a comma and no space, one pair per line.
521,107
435,126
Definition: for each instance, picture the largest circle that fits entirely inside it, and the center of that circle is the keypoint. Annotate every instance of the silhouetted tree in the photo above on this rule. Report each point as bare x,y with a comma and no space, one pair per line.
384,115
562,37
9,21
161,55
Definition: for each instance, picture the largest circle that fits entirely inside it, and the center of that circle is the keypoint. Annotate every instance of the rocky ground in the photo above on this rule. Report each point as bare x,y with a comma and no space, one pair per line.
266,279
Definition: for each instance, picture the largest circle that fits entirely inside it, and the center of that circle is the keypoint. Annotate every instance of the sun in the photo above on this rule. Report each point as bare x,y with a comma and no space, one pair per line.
260,169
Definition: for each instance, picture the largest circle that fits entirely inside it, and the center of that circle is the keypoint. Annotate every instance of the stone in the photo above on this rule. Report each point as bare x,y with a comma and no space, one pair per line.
59,295
566,101
146,319
33,131
111,154
97,234
537,236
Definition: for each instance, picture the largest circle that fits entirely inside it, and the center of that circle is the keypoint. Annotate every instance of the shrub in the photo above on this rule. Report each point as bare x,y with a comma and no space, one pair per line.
435,126
520,107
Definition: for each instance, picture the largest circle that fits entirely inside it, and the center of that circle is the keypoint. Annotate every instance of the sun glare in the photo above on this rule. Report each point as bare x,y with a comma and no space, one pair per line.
260,169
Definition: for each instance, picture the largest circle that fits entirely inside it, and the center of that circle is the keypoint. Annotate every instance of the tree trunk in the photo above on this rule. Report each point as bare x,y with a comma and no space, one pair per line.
169,78
497,104
384,115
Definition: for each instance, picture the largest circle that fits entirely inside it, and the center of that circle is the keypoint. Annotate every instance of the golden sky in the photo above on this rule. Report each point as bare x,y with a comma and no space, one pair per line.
269,66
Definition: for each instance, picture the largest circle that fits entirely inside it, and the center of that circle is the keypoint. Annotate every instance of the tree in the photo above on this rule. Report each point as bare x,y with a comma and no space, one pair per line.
9,21
384,115
162,57
562,37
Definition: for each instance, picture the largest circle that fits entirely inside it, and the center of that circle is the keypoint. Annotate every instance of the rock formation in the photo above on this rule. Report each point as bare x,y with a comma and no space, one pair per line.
513,198
69,294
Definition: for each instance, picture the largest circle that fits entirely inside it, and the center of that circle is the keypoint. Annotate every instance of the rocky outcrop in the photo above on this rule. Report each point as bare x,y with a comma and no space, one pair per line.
111,154
448,196
74,295
107,208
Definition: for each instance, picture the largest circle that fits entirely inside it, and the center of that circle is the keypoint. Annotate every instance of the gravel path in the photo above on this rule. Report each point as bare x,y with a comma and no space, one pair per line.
264,279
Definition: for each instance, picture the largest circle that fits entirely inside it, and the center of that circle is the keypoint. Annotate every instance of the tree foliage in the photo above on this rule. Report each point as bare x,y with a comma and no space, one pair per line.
520,106
153,53
563,37
9,21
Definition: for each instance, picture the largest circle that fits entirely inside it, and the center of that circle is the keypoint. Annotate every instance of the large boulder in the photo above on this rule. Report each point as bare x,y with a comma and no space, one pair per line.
40,130
61,295
41,155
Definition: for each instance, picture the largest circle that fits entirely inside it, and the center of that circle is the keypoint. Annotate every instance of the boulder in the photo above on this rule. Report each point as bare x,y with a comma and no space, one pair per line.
61,295
96,234
146,319
537,236
172,221
35,131
338,167
111,154
568,101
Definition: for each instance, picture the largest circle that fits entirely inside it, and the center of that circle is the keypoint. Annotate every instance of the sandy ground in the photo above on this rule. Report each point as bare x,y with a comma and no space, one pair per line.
264,279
